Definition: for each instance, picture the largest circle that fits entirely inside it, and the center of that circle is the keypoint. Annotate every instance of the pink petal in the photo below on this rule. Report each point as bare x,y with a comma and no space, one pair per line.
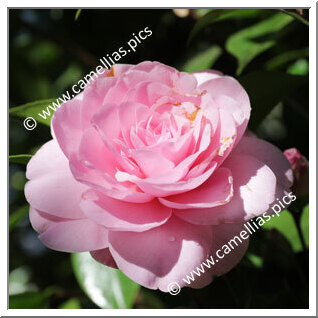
270,155
52,188
149,71
230,95
75,236
147,93
121,69
67,126
173,175
223,236
185,83
129,114
217,190
171,182
107,123
129,195
204,76
103,256
175,150
94,152
89,175
162,255
166,189
223,140
41,221
106,184
153,67
42,163
116,93
92,100
123,216
151,163
138,93
255,188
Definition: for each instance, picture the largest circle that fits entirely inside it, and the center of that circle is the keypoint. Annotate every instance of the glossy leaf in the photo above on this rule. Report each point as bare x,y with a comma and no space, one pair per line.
19,281
22,159
304,224
105,286
296,16
72,303
246,44
201,12
222,14
30,300
300,67
204,60
266,90
285,57
18,215
255,260
33,109
285,224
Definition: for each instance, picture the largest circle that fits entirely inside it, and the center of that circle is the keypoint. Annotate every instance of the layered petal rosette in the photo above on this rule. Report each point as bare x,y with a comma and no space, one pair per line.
150,171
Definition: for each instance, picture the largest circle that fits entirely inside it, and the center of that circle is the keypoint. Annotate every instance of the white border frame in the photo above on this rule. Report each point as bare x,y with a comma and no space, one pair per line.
312,158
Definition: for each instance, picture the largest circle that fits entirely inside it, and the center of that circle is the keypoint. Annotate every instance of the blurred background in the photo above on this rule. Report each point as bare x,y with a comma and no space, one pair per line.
266,50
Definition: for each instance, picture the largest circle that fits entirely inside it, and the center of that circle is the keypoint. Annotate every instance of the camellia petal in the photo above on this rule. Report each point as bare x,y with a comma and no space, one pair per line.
75,236
217,190
140,257
255,187
103,256
52,188
112,213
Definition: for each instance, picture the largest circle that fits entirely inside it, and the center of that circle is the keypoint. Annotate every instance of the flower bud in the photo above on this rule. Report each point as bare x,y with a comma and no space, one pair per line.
300,168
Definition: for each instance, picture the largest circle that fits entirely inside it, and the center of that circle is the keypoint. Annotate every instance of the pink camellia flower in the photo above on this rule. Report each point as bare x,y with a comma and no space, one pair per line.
150,171
300,168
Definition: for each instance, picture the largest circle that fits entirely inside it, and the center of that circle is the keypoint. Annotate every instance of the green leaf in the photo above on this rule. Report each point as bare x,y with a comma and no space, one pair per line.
282,59
16,216
266,89
222,14
256,260
245,45
296,16
105,286
285,224
201,12
29,300
304,224
204,60
22,159
19,281
300,67
70,75
77,14
72,303
33,109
